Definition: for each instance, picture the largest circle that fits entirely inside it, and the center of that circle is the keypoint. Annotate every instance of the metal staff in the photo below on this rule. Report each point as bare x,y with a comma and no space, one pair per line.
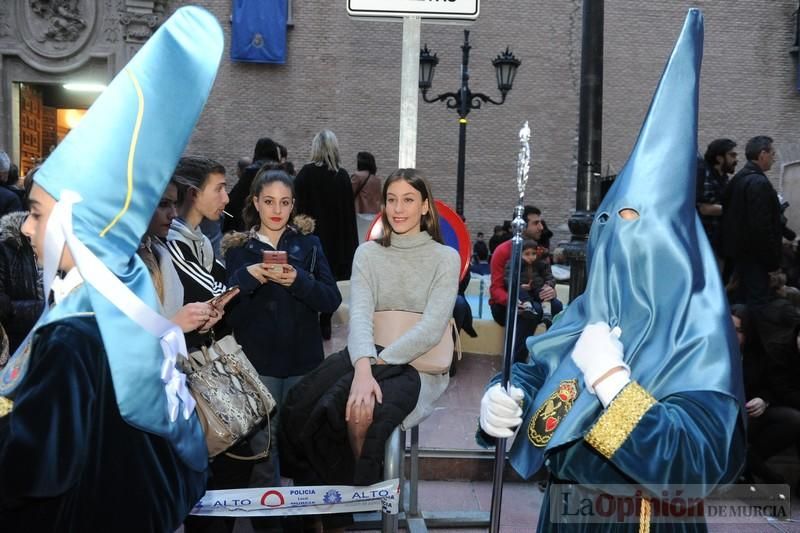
517,225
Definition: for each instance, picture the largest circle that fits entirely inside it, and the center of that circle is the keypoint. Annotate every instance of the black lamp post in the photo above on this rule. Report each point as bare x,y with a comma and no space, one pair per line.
465,100
590,140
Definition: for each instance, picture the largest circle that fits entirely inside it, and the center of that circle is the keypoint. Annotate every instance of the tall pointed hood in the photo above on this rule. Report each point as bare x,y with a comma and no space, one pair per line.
107,176
655,277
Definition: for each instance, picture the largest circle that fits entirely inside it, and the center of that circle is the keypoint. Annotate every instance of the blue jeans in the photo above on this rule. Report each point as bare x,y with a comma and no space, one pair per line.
268,473
555,307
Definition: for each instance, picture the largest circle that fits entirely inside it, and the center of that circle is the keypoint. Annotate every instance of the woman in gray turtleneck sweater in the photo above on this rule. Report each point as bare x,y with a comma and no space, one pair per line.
409,269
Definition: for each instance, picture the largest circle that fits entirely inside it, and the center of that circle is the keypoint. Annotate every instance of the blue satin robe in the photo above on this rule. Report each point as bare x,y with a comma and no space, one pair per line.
681,440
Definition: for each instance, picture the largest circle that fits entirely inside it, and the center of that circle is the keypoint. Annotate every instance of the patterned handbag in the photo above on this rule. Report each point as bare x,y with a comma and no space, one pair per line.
231,399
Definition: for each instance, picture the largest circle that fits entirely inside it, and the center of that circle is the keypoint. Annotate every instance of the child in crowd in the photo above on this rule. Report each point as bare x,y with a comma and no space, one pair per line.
535,274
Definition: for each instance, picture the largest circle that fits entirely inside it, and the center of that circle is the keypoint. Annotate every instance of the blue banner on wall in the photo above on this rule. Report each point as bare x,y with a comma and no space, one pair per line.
258,33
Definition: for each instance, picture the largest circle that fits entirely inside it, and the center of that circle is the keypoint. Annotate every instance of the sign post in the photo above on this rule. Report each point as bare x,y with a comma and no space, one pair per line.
409,81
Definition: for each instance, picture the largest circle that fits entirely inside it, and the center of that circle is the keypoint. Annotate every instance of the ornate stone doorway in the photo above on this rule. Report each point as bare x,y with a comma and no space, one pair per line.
47,43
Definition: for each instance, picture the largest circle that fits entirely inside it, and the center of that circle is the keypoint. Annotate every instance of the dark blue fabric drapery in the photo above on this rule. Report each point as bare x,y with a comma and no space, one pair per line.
258,32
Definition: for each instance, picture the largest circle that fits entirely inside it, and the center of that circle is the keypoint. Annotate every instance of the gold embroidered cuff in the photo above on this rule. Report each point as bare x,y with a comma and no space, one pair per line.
5,406
624,413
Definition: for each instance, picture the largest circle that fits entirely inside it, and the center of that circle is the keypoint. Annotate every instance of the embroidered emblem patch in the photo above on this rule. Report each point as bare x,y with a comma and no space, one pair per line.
550,413
13,372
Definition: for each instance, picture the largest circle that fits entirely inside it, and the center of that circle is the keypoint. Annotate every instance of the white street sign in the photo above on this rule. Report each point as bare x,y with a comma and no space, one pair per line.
441,9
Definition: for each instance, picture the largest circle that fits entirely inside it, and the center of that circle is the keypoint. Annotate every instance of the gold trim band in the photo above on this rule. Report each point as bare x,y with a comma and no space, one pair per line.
131,153
6,406
613,427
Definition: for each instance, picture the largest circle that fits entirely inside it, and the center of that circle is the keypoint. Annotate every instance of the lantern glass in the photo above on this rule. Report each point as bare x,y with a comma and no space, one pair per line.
506,69
427,66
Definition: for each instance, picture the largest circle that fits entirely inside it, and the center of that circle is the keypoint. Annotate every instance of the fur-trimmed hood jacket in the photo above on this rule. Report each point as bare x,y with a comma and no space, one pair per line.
278,326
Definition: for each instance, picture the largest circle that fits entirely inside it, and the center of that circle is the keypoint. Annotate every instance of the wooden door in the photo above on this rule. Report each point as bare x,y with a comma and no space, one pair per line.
30,127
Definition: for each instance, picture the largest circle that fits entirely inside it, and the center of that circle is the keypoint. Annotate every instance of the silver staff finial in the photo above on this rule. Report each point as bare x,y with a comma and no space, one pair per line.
524,159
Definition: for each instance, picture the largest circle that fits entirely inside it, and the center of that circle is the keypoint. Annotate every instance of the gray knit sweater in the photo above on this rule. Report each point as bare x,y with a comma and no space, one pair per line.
416,274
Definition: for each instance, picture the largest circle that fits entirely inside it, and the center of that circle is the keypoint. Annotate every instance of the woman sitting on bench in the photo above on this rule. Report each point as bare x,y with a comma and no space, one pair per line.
338,417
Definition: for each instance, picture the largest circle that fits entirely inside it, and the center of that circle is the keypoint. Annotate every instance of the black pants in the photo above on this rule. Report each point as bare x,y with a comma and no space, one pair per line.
753,283
775,430
526,326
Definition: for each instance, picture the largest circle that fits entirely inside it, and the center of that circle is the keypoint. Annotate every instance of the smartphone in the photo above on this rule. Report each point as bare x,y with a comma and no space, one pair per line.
225,296
274,260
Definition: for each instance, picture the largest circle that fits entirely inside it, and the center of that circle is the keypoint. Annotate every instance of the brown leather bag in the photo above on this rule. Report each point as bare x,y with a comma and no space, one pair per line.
388,326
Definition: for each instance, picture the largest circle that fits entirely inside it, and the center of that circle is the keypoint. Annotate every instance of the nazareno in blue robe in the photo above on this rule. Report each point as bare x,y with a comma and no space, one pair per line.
679,424
69,462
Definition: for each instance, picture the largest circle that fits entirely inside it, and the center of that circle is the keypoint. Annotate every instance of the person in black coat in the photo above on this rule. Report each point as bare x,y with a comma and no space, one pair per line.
772,425
21,300
751,224
324,192
266,151
276,320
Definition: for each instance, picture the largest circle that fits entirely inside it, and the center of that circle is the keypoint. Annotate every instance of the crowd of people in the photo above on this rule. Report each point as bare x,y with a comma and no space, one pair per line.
262,263
744,219
204,242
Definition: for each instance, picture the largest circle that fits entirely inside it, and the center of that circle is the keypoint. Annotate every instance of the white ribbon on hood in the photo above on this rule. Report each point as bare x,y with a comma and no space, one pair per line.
96,273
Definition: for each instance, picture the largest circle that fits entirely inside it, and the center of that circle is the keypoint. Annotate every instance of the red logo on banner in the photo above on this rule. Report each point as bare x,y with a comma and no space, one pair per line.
266,501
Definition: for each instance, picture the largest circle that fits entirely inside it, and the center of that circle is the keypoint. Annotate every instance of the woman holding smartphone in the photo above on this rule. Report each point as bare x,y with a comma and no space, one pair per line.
285,282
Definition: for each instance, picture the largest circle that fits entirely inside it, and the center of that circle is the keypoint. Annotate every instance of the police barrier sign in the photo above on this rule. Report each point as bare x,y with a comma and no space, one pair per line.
441,9
283,501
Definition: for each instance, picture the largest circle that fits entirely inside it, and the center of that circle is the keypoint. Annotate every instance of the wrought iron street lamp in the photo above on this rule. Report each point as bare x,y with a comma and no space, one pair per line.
465,100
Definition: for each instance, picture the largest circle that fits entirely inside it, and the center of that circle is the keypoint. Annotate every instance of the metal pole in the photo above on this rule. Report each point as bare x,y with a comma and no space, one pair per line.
393,468
409,83
590,136
480,298
518,225
462,148
464,101
407,158
413,504
590,118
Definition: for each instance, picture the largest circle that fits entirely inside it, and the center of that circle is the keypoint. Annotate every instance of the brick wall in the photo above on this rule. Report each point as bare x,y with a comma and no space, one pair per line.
344,74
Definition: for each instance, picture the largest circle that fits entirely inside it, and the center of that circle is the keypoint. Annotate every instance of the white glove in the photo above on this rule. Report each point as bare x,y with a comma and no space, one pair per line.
597,351
501,412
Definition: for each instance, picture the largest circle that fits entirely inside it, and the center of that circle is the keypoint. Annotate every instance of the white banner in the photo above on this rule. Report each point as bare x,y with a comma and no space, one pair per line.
283,501
439,9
